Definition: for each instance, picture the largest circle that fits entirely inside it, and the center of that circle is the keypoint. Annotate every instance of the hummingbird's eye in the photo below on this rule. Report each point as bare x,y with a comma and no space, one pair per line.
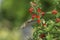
32,21
28,22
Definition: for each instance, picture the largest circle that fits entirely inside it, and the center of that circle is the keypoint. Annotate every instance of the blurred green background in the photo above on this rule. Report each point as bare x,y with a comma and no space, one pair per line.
13,13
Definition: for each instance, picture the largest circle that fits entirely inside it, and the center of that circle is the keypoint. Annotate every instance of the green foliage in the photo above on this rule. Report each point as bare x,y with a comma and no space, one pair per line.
49,24
49,17
48,5
58,6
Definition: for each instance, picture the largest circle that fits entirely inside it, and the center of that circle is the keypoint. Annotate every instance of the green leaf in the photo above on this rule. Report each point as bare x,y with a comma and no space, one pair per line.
49,37
58,24
48,17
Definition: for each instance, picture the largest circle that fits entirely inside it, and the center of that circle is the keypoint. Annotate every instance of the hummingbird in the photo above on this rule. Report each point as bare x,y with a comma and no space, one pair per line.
27,29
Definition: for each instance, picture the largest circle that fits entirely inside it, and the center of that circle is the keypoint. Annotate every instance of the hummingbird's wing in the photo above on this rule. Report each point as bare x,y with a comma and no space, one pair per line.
27,32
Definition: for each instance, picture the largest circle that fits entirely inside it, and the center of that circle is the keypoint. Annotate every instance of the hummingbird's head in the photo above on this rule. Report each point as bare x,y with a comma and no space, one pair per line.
31,22
28,23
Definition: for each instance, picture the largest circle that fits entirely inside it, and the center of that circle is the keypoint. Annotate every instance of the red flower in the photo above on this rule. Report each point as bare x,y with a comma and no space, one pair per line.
38,10
37,16
38,21
31,10
33,16
54,12
43,13
42,36
57,19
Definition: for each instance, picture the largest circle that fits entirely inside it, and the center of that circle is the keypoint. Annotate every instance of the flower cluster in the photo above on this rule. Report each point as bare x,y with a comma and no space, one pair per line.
39,13
47,22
